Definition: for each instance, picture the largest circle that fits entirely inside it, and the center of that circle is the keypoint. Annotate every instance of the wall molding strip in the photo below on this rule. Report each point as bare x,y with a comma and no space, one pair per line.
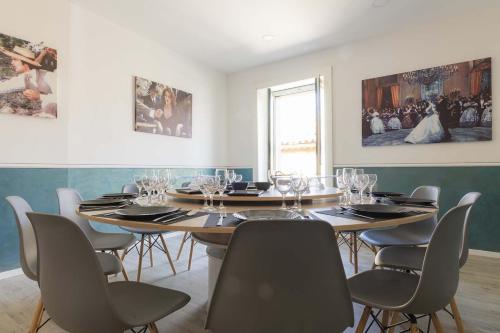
109,166
395,165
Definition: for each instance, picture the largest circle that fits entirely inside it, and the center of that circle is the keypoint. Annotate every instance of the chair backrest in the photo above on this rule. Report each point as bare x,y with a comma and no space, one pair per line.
281,276
440,271
130,188
427,192
74,289
69,200
27,241
468,199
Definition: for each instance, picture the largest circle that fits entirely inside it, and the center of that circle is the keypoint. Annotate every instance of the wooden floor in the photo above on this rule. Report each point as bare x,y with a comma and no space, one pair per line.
478,296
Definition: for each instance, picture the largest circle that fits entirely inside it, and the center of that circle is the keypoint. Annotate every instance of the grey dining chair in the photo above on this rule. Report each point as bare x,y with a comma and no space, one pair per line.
408,234
148,237
412,258
69,200
75,292
29,257
395,292
130,188
281,276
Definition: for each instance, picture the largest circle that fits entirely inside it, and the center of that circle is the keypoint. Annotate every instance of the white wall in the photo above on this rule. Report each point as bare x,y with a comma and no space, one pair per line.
471,36
97,62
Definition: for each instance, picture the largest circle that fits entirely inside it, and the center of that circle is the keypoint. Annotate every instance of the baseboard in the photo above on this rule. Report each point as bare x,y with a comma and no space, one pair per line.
487,254
11,273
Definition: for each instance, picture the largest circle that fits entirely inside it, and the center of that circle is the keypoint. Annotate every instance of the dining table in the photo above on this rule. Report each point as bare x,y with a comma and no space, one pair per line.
317,206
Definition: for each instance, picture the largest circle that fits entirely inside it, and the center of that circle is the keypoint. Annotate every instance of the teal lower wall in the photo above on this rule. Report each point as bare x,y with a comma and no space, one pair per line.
38,187
454,182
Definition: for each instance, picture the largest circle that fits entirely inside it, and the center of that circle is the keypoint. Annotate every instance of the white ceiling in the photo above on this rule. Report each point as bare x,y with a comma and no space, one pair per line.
227,34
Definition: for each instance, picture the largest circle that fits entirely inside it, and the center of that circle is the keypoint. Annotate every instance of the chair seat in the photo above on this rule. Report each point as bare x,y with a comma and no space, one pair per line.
144,231
405,257
110,264
139,303
111,241
383,289
399,236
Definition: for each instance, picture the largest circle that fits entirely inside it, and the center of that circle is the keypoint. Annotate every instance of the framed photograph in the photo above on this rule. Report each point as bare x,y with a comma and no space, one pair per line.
160,109
450,103
28,78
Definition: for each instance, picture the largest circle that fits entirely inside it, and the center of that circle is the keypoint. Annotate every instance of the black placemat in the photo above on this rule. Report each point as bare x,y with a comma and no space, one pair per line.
150,219
390,202
348,214
228,221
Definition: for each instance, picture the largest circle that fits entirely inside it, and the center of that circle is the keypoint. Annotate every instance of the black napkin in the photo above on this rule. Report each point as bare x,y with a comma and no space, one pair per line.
347,213
150,219
228,221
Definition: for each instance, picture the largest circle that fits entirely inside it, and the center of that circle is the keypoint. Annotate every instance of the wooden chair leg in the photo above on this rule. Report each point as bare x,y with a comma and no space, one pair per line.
184,239
150,247
394,320
355,252
350,248
363,320
152,328
385,320
191,254
141,254
437,323
124,272
414,328
167,253
37,317
458,317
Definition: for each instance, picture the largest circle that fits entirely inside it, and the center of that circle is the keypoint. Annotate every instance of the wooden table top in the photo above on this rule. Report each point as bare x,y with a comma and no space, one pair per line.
313,209
271,195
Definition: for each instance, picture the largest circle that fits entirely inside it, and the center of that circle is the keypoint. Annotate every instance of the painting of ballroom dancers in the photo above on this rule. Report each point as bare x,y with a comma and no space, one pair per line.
160,109
449,103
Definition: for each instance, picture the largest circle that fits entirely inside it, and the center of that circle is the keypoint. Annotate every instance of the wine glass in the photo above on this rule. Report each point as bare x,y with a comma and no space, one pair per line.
372,181
231,175
283,185
361,182
238,178
138,183
197,184
210,186
342,187
299,185
347,175
221,187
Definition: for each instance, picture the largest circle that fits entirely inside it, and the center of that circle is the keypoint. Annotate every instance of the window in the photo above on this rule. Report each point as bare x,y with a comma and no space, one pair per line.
294,127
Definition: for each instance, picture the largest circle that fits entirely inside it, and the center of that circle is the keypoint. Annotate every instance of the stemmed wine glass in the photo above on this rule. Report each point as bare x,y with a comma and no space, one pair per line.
299,185
361,181
138,183
196,184
347,175
221,187
372,181
238,178
283,185
231,175
210,186
341,186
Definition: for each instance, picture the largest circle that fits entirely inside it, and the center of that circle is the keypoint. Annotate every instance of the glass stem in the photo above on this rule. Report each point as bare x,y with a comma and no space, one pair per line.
211,200
221,202
283,204
299,203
